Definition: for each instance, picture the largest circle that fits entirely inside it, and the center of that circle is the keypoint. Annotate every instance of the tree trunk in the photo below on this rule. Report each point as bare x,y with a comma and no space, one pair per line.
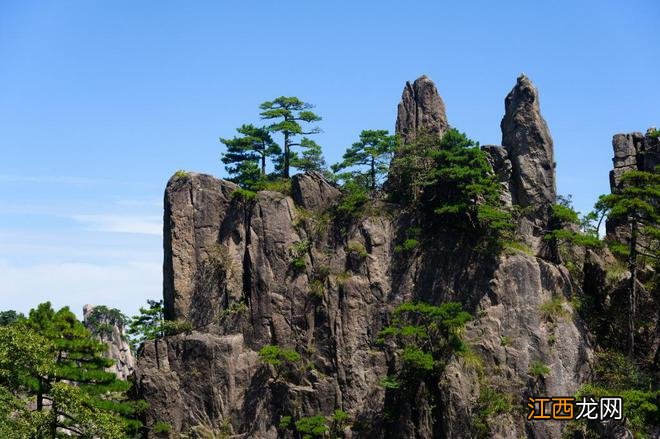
40,397
263,165
53,420
287,153
373,176
632,266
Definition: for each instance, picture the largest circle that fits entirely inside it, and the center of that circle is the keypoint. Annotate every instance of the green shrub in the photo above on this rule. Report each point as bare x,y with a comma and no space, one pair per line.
408,245
389,382
576,303
285,422
538,370
653,133
425,336
615,272
275,355
161,427
321,272
575,238
357,249
181,173
234,308
219,260
102,319
490,404
298,252
352,201
343,277
281,185
317,289
313,426
565,214
317,223
460,183
505,340
415,358
616,375
173,327
512,247
564,221
244,194
553,309
283,360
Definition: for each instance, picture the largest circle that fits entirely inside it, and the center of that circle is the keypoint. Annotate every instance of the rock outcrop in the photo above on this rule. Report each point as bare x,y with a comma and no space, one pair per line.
312,191
282,270
421,110
195,204
109,329
632,152
526,137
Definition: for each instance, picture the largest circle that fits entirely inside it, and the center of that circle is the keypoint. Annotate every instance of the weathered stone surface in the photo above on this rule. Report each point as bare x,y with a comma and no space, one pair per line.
214,376
198,379
118,347
312,191
498,158
632,152
527,139
195,205
510,334
290,278
421,110
626,148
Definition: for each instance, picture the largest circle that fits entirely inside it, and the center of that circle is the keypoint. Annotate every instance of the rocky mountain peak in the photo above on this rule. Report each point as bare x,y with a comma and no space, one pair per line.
421,110
527,139
279,269
109,329
632,152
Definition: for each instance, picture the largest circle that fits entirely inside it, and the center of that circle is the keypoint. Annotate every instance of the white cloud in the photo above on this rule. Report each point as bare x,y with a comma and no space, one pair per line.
148,225
125,286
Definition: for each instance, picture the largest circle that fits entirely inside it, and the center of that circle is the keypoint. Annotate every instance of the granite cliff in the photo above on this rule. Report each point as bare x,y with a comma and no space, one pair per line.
228,271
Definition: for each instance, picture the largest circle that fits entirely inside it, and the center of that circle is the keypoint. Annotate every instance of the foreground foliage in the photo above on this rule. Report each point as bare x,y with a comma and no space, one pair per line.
53,381
637,207
615,374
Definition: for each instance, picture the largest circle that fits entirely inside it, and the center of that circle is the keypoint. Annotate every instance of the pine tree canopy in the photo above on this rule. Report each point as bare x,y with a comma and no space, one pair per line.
246,155
288,115
51,361
369,158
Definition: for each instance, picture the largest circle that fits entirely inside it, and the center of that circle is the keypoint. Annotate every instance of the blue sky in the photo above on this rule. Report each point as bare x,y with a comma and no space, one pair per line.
100,102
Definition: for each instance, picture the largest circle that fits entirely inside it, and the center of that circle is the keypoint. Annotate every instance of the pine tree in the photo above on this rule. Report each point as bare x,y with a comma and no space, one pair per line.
371,157
636,205
311,158
290,113
453,177
149,324
246,155
24,357
83,399
9,317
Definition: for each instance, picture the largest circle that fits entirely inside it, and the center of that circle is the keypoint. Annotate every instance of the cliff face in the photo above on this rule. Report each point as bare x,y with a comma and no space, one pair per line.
632,152
280,270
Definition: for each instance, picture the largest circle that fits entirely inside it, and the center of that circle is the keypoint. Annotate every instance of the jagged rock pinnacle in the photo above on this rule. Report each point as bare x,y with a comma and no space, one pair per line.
421,110
527,139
